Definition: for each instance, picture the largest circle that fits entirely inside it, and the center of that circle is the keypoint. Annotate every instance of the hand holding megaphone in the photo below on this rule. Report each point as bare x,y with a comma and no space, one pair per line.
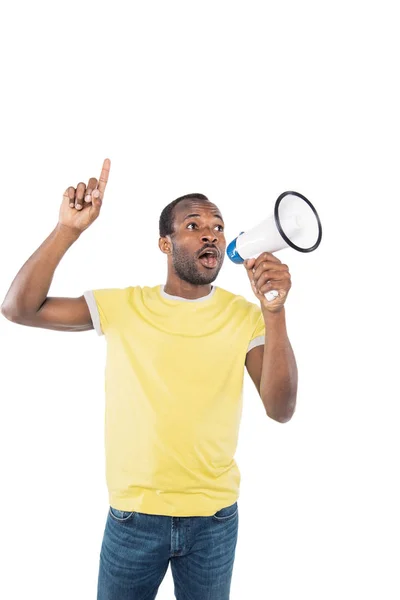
270,280
294,223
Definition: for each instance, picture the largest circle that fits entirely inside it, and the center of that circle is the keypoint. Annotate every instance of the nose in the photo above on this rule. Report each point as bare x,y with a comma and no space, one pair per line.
209,237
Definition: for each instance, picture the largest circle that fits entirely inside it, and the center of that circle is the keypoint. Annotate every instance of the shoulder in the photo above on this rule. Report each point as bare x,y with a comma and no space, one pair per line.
239,303
238,299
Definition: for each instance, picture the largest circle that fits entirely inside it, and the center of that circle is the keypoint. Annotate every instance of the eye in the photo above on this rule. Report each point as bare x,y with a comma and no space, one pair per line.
195,224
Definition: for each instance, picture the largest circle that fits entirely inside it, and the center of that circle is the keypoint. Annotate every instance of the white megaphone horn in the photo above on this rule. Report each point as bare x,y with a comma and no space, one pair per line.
295,223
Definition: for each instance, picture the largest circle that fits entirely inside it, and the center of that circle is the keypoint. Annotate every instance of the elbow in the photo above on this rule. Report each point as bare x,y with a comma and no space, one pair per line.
10,314
284,418
282,414
6,312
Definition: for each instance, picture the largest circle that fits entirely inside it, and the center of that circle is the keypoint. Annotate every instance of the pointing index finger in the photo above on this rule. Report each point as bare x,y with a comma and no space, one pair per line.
105,171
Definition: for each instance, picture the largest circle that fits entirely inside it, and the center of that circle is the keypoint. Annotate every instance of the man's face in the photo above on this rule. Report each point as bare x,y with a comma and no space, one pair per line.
198,226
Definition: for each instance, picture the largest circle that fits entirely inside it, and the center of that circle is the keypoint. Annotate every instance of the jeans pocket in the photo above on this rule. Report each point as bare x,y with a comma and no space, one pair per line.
226,513
120,515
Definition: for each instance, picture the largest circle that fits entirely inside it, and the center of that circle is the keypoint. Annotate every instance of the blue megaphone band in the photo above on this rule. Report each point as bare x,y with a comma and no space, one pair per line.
233,253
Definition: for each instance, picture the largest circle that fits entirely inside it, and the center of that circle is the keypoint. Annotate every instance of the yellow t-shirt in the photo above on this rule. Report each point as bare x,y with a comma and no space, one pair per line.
173,384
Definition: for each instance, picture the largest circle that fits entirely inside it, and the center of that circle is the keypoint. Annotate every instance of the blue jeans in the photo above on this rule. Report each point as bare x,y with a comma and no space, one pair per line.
137,549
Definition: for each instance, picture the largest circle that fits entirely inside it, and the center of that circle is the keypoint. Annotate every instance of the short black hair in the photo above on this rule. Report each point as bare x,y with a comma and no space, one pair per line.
167,216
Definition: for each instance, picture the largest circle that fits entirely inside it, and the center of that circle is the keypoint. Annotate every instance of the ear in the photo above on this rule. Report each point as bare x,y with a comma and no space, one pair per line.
165,244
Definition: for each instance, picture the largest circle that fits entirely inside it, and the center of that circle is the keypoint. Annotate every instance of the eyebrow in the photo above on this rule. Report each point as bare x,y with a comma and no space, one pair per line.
195,215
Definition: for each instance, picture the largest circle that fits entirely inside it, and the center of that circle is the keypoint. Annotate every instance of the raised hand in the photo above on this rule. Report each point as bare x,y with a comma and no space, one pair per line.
81,205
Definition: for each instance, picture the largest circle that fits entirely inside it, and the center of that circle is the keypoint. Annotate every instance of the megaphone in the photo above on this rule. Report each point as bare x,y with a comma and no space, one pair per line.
294,223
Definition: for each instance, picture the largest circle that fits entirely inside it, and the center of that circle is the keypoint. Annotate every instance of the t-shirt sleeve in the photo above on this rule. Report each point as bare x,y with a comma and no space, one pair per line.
258,335
103,307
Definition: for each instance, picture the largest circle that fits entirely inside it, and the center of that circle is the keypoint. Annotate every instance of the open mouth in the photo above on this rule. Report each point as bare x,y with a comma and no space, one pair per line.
209,258
209,261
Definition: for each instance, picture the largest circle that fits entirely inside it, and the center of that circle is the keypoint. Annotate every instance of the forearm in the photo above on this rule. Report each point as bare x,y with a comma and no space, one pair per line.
278,387
30,287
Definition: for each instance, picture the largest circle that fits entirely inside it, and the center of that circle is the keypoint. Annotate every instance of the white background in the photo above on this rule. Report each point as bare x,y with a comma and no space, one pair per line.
239,101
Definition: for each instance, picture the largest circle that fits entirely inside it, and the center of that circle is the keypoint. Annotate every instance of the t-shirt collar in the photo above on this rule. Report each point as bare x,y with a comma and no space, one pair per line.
170,297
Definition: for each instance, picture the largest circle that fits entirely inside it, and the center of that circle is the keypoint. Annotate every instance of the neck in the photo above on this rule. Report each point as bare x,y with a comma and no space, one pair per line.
187,290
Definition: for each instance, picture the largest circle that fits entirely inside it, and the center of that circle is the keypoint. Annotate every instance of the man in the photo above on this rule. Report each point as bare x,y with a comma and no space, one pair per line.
175,364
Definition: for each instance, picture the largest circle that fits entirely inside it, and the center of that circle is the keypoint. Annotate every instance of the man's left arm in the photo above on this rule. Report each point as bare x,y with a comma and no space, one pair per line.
272,367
